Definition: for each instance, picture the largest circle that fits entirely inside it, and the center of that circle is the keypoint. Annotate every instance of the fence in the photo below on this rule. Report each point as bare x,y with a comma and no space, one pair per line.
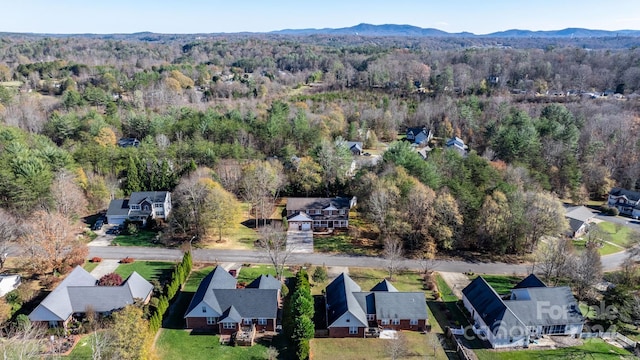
611,335
460,349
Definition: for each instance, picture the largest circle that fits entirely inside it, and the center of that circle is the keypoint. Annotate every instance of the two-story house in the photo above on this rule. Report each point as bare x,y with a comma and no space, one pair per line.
315,213
419,136
139,207
626,201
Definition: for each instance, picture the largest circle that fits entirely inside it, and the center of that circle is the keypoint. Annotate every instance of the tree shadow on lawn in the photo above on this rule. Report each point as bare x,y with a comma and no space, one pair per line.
448,314
174,319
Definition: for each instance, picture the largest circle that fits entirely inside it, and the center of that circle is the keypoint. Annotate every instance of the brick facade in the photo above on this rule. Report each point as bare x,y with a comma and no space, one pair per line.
200,323
405,325
342,332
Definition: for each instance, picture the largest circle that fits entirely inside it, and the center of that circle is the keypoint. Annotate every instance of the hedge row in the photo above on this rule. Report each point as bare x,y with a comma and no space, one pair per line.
299,315
178,277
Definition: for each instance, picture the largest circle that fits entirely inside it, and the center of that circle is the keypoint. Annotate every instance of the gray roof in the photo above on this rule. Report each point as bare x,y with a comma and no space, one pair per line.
357,145
231,315
343,295
153,196
580,213
504,315
561,307
78,291
118,207
218,291
530,281
265,282
341,299
317,203
384,285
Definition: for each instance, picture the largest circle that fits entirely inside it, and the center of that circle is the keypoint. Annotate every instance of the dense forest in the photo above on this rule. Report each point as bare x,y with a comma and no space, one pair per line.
544,121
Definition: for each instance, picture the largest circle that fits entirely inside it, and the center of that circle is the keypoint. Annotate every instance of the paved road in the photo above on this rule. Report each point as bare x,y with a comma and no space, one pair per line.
248,256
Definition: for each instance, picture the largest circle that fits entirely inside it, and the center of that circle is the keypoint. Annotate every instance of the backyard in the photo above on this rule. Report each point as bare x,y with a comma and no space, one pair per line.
596,349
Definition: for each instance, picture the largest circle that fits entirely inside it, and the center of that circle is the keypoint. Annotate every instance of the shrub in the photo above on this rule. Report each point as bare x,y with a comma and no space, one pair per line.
111,279
127,260
131,229
319,274
96,259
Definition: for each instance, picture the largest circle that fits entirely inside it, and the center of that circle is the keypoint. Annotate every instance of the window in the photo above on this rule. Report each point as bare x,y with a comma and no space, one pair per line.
395,322
229,325
413,322
384,322
246,321
371,317
211,321
204,309
353,330
262,321
160,213
342,212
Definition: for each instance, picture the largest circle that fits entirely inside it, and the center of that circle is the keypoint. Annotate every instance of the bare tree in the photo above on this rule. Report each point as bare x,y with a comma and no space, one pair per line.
102,343
587,271
393,253
261,183
273,241
434,341
68,197
23,341
9,233
397,347
553,258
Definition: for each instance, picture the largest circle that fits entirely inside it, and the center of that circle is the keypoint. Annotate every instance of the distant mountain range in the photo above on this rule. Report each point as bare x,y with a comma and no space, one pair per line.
414,31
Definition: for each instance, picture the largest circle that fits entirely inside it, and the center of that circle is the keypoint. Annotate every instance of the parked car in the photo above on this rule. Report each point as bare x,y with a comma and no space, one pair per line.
98,224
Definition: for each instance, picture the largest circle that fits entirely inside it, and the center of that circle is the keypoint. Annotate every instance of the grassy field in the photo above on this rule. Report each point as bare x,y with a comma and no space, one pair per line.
595,349
605,249
175,344
149,270
368,278
142,238
340,244
82,350
354,349
619,235
502,284
247,274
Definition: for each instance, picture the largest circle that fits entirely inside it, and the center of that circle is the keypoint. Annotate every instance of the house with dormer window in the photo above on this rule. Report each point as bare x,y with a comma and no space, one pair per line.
219,306
140,207
316,213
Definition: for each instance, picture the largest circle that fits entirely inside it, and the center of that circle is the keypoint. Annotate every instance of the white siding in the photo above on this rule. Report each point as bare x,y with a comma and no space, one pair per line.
347,320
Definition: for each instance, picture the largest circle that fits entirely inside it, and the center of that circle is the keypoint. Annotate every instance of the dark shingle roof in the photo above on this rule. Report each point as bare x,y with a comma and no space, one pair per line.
340,299
249,303
530,281
265,282
294,204
631,195
154,196
118,207
384,285
547,306
490,307
218,278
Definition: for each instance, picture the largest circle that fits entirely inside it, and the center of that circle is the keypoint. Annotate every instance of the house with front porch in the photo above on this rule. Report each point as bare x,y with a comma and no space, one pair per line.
351,312
139,207
220,307
530,311
315,213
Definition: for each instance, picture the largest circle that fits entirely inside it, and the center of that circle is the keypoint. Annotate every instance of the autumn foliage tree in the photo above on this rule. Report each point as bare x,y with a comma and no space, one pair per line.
51,244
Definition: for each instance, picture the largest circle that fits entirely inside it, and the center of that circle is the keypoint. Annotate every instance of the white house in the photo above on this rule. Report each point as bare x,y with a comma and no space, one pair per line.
140,207
626,201
531,311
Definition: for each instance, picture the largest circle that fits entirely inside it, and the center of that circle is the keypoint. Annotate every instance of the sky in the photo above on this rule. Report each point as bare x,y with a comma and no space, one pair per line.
213,16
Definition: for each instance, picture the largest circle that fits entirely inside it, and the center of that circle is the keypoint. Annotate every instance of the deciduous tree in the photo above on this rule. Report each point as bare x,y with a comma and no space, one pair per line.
273,242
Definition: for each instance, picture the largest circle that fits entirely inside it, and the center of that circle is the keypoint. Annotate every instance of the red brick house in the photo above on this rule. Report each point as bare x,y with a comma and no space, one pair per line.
351,312
220,307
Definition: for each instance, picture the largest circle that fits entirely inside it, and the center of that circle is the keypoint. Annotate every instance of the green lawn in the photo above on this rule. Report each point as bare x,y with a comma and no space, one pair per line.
246,275
595,349
89,266
445,290
606,248
502,284
618,234
149,270
142,238
368,278
355,349
173,344
82,350
339,244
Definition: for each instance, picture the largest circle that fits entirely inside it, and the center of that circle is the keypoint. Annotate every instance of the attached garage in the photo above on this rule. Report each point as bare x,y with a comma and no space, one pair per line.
118,211
300,222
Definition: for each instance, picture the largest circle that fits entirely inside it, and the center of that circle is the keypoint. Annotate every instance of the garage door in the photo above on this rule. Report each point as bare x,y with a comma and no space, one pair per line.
116,220
306,226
